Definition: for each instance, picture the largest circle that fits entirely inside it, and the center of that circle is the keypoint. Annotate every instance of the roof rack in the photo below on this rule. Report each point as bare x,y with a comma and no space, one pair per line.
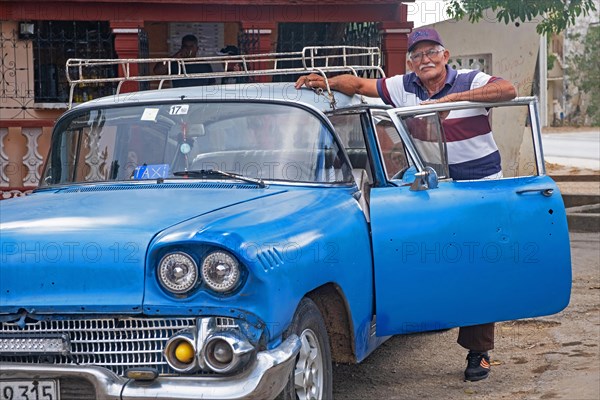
314,59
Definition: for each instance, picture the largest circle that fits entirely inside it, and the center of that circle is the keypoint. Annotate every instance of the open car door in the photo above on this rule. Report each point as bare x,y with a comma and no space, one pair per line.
468,252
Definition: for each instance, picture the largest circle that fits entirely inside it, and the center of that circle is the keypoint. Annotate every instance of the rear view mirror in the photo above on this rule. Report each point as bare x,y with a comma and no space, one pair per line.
193,131
196,130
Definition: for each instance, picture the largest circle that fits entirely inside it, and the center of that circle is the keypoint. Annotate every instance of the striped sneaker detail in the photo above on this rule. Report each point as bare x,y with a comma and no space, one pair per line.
484,363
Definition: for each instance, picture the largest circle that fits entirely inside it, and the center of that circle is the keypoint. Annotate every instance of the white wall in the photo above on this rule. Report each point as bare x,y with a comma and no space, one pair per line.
514,52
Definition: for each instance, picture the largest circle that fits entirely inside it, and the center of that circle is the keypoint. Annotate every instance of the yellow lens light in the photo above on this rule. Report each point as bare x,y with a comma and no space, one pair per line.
184,352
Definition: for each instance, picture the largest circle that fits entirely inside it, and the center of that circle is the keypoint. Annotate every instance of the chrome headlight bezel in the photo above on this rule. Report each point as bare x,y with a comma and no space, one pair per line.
221,264
165,276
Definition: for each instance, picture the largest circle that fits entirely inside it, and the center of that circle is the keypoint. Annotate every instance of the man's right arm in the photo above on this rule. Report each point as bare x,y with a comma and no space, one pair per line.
347,84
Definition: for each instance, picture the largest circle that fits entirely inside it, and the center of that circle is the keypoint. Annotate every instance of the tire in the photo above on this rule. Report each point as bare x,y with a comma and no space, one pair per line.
313,367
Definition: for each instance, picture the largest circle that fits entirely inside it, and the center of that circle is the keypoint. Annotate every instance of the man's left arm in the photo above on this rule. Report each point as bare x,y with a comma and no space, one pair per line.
494,91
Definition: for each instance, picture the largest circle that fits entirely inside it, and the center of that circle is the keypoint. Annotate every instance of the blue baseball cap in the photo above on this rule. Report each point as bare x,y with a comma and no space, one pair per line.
423,35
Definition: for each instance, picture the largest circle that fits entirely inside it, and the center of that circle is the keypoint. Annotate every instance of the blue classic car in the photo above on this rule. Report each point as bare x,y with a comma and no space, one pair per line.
232,241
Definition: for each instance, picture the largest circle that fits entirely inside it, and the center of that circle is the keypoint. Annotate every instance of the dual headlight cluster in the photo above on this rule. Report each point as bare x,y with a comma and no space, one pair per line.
179,274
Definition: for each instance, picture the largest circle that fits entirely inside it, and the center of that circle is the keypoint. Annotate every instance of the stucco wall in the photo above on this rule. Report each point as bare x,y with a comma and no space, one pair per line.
514,52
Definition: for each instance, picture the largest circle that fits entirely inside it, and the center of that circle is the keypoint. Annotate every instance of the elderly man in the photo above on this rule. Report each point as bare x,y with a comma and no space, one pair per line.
474,154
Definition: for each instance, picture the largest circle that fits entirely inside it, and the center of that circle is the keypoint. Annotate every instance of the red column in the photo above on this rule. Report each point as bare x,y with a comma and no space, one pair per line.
266,32
394,41
127,46
394,46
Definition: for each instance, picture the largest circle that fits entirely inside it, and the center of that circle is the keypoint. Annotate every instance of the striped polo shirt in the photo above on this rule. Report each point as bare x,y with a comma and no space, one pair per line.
472,151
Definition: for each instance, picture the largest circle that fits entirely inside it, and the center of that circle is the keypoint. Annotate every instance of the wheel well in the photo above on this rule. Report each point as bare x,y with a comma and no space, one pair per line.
334,309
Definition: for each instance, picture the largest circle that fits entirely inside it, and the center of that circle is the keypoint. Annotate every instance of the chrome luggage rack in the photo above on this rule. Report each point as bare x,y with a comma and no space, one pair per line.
315,59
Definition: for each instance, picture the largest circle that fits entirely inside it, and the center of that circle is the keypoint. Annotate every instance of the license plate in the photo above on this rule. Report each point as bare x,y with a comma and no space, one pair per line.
29,390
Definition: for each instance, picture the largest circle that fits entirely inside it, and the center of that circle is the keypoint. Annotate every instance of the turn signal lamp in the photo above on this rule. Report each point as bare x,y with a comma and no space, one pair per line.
180,353
141,374
184,352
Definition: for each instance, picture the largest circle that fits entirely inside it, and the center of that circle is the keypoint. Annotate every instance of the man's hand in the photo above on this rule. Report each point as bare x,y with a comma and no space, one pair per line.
312,81
188,49
442,114
424,103
183,53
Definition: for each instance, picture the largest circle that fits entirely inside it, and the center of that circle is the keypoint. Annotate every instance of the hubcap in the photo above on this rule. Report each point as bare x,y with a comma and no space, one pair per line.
308,375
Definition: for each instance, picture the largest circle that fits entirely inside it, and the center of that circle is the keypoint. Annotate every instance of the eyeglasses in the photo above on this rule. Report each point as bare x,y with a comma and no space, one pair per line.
431,54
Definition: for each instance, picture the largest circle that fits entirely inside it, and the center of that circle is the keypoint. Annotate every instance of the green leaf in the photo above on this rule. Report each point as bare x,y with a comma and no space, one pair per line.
557,15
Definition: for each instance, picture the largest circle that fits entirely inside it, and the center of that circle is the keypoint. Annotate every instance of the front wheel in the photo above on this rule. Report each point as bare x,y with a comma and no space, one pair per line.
311,378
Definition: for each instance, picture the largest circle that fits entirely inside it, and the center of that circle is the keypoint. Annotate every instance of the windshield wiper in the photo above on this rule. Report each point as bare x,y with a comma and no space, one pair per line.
207,173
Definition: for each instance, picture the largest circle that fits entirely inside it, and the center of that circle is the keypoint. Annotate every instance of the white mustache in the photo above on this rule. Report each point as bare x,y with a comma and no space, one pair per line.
426,66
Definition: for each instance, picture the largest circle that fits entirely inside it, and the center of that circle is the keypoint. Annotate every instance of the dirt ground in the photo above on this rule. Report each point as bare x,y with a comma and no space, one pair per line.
553,357
574,186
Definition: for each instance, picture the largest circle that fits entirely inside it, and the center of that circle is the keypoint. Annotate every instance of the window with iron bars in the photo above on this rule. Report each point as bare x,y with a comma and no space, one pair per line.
54,42
295,36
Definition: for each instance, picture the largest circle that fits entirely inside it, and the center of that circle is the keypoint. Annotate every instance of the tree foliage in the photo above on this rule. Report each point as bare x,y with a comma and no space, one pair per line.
552,16
583,69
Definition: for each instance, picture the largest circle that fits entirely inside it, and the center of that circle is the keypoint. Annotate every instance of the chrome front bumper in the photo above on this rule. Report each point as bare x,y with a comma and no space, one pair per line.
264,380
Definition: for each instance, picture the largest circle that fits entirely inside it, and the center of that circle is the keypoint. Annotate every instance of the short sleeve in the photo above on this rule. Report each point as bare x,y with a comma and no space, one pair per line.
482,79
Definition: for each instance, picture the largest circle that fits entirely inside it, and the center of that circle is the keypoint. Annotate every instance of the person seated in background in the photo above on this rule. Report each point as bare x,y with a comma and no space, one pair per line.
231,50
189,49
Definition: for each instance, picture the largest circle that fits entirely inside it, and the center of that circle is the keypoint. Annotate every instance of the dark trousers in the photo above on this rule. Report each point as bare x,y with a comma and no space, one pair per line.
477,338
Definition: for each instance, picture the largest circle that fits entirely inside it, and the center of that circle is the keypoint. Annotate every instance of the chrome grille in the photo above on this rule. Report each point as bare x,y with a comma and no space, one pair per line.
225,323
116,344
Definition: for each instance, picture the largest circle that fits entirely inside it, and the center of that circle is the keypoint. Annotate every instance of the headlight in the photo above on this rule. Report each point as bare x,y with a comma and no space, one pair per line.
177,272
220,271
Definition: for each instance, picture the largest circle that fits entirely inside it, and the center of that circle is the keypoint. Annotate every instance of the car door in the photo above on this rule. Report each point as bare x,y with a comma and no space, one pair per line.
467,252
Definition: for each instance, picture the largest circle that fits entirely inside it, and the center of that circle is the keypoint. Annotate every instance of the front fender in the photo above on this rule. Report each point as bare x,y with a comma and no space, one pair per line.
290,244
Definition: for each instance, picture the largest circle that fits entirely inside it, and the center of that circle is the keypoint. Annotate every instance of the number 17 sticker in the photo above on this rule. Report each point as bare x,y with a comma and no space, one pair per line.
179,109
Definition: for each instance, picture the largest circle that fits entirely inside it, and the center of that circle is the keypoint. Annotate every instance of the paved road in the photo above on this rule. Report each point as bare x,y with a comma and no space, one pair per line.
577,149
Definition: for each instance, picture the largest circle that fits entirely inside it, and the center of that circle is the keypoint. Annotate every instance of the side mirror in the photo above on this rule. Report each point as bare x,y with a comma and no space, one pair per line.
426,179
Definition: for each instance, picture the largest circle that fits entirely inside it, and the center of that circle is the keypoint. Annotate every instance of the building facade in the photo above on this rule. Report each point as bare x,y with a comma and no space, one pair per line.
37,37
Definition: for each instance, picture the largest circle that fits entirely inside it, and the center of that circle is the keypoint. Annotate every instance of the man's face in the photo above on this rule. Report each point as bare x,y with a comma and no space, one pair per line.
428,60
190,49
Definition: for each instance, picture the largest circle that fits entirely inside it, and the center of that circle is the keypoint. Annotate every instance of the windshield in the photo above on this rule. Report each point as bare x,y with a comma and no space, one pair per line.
256,140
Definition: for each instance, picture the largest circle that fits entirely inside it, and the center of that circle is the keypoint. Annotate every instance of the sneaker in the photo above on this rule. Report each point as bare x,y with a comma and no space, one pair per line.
478,366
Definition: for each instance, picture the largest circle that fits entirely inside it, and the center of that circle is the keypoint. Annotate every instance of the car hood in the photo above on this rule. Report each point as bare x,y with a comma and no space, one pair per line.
83,248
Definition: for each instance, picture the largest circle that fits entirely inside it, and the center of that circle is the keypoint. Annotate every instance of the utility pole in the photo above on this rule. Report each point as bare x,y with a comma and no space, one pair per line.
543,76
